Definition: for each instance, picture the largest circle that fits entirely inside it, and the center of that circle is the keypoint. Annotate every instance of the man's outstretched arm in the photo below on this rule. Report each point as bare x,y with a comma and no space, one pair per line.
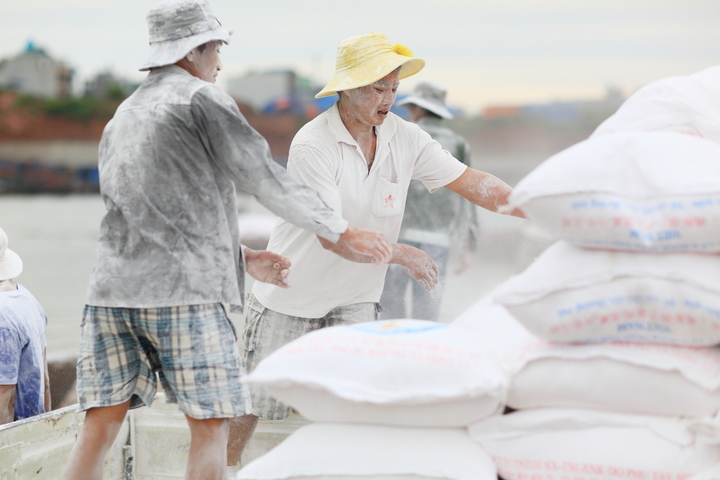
484,190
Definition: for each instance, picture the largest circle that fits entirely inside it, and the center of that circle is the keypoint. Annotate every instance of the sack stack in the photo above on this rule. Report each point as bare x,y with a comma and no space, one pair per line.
686,104
390,400
618,373
597,411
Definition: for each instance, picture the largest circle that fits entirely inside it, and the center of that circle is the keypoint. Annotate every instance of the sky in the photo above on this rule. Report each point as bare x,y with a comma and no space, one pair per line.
485,52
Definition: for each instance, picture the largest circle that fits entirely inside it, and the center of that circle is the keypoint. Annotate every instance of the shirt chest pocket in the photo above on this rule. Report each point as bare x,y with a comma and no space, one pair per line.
388,198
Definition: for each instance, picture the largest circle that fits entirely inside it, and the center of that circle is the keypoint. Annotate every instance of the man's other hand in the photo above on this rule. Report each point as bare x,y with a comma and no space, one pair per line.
267,267
366,242
418,264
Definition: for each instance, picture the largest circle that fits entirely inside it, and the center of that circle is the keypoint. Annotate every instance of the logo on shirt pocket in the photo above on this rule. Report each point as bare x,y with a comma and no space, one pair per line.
387,201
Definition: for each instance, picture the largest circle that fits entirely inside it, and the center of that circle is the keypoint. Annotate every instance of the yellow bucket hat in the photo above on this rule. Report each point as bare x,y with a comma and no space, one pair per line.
365,59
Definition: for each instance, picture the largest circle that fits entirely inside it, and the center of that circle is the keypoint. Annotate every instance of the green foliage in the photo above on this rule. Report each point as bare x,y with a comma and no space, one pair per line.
73,108
115,92
29,102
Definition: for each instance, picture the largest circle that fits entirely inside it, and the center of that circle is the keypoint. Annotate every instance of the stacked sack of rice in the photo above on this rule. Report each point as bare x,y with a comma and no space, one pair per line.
687,104
618,373
389,400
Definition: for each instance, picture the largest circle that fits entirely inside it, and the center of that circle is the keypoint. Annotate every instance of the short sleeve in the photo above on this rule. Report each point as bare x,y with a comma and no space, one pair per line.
10,349
309,167
434,166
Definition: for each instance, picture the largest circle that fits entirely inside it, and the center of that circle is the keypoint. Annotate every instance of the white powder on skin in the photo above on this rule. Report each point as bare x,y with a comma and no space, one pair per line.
493,190
418,264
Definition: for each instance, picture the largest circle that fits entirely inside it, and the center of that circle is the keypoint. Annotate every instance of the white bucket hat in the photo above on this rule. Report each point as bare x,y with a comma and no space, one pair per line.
10,264
365,59
430,96
178,26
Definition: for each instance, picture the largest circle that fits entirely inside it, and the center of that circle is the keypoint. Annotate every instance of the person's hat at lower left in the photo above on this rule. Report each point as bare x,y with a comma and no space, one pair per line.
10,263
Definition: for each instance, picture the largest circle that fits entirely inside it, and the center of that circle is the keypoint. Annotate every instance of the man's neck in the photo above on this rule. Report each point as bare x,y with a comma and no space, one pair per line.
7,285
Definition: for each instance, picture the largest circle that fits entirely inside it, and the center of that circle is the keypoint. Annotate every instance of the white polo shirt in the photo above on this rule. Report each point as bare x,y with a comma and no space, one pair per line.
324,156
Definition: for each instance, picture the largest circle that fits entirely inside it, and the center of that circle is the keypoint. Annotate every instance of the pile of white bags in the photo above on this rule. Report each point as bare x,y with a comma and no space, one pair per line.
617,374
392,400
686,104
554,444
640,191
573,294
597,411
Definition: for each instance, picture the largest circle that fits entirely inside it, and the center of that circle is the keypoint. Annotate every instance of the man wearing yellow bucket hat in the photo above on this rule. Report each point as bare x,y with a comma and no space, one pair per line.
361,158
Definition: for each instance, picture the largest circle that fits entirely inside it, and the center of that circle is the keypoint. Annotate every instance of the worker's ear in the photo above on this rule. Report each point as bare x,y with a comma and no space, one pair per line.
190,57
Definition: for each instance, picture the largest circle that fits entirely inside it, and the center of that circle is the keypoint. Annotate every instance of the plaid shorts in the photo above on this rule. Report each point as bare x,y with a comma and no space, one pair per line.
190,348
267,330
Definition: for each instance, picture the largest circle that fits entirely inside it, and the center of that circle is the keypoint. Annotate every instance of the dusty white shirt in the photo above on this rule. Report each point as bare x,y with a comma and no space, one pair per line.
170,161
324,156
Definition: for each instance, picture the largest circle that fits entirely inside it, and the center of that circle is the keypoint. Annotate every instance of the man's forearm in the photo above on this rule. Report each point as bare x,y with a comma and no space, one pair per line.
342,250
360,246
48,397
7,404
400,253
484,190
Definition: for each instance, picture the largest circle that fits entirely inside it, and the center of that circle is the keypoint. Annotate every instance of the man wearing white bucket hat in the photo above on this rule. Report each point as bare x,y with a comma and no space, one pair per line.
24,384
432,221
169,256
361,158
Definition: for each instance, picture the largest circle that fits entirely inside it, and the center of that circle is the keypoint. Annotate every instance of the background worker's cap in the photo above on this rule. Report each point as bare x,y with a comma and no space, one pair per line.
178,26
430,96
365,59
10,263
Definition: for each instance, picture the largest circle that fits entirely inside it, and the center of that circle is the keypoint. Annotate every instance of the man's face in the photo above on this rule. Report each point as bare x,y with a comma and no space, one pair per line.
371,104
205,65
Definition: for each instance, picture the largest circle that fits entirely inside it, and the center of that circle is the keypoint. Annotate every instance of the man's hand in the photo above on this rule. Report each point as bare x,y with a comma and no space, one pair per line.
267,267
418,264
365,242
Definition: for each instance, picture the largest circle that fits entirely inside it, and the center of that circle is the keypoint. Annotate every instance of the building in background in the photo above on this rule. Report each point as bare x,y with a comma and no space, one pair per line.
107,85
34,72
277,91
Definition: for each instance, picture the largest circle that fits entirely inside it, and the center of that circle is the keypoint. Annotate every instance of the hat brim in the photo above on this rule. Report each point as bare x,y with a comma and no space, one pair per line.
435,108
168,53
12,266
369,73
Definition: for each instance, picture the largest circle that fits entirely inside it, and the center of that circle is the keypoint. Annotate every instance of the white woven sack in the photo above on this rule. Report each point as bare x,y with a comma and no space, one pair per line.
621,377
687,104
657,192
393,372
571,294
371,452
491,327
553,444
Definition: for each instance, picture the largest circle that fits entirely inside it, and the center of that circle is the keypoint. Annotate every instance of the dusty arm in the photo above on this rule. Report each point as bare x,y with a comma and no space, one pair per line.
48,398
417,263
484,190
7,404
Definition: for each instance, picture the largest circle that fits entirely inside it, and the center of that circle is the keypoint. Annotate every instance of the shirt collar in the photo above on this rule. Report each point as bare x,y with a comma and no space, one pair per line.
168,69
